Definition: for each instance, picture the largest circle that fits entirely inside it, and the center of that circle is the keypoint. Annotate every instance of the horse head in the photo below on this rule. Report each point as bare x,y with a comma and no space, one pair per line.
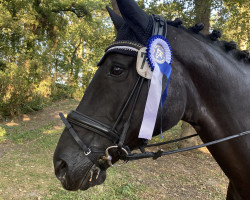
110,100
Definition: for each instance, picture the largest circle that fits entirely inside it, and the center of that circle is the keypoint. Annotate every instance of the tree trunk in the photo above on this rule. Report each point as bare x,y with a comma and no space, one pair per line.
55,72
202,10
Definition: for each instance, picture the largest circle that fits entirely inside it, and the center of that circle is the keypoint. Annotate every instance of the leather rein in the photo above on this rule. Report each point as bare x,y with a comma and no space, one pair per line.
117,138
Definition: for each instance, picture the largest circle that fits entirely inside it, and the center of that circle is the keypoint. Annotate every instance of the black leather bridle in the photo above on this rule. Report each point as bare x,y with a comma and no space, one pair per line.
117,138
104,130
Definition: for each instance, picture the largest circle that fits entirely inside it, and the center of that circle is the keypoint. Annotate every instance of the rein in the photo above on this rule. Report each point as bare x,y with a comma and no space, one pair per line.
155,155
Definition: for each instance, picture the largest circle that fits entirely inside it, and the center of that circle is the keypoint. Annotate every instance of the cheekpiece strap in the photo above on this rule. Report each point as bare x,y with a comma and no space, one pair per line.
74,135
160,25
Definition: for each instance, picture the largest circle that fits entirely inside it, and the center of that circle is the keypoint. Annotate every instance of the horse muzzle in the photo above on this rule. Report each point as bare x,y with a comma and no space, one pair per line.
80,177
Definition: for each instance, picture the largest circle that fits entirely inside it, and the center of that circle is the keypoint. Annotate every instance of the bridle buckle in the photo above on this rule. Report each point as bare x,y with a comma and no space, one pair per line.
87,153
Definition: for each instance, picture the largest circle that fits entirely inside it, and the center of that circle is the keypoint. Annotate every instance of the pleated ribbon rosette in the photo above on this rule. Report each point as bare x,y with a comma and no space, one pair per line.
159,56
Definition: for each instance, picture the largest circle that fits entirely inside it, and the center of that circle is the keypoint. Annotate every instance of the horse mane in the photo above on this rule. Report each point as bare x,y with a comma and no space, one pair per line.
228,47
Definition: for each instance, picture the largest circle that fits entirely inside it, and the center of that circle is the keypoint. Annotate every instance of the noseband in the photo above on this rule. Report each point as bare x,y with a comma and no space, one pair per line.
118,138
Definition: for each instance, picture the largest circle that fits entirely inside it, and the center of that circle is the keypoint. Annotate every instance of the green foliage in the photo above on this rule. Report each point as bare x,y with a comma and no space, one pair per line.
172,9
48,50
233,20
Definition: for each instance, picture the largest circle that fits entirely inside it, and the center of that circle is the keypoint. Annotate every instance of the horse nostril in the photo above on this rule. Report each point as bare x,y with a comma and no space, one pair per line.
61,169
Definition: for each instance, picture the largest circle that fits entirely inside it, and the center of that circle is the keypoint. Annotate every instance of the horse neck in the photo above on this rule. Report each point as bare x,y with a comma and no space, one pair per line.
215,84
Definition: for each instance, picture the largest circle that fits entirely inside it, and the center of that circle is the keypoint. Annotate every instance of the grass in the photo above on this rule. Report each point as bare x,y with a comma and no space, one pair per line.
32,163
18,137
26,170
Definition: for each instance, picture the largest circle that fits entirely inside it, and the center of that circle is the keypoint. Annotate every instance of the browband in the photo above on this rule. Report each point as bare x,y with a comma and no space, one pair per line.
124,44
123,47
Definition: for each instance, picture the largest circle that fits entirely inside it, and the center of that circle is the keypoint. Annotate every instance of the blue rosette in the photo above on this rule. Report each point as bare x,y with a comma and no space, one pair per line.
158,42
159,57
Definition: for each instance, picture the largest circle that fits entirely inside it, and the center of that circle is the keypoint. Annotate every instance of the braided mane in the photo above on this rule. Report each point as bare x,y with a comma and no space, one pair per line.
228,47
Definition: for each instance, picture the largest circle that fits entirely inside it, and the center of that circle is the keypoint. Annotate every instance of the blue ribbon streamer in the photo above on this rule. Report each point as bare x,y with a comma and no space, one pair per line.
166,69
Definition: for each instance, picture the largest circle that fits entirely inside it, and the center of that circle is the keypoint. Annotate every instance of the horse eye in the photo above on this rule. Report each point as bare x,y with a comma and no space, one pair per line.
116,71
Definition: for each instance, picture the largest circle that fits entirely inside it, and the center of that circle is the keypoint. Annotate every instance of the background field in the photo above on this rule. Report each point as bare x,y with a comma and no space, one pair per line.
26,168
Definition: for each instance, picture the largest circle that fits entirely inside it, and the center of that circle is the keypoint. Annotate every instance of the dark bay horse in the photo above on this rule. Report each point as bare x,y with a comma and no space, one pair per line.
209,88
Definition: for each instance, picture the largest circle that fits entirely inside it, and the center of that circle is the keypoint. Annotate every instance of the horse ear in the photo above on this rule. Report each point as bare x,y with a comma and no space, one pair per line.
117,19
135,17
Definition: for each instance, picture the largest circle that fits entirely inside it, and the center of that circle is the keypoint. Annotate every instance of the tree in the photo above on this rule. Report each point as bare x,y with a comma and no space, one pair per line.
48,49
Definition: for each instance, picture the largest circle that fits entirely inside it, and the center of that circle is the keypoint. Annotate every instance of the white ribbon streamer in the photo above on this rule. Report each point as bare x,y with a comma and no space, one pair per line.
160,57
152,105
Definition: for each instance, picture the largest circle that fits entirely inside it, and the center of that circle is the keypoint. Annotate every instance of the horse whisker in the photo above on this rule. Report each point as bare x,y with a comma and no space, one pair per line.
98,172
91,175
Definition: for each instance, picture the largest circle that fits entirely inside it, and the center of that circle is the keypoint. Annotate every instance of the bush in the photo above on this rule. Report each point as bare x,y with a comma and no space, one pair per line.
61,91
24,90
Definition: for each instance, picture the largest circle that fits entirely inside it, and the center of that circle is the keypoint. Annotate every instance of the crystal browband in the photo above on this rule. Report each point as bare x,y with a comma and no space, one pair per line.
123,47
